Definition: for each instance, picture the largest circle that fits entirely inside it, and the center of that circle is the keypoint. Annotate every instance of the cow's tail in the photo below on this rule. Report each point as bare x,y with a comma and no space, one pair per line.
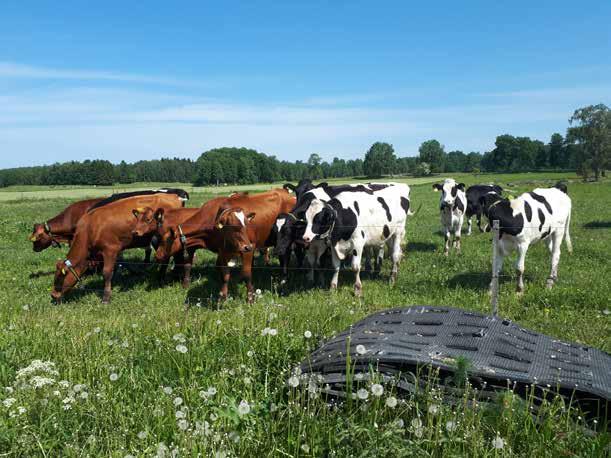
567,235
411,213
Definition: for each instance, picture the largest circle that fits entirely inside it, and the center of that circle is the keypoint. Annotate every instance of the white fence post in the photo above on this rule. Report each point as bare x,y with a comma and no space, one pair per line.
494,285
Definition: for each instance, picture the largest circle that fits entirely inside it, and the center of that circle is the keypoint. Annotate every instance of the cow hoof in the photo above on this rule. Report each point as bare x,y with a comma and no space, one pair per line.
446,253
549,284
358,291
519,292
186,284
333,287
105,301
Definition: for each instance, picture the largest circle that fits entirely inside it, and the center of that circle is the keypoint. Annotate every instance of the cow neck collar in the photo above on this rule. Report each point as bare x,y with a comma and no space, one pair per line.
70,267
54,243
183,240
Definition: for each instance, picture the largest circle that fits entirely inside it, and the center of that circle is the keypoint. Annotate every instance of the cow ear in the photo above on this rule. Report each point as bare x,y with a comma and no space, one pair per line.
250,216
461,186
159,214
135,212
289,187
324,184
437,187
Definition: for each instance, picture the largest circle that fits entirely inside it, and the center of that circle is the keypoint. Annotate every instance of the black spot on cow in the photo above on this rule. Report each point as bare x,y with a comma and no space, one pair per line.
529,211
500,209
345,222
333,191
405,204
454,191
377,186
385,207
363,234
458,205
356,207
546,233
539,198
386,231
354,252
541,219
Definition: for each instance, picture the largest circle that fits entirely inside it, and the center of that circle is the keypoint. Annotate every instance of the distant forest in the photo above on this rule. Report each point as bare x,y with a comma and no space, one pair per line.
586,149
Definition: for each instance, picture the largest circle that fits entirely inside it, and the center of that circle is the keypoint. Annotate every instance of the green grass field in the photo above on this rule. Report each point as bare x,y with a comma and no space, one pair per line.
147,376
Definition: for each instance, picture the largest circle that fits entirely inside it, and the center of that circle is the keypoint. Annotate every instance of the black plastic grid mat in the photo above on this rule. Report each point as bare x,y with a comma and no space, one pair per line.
500,354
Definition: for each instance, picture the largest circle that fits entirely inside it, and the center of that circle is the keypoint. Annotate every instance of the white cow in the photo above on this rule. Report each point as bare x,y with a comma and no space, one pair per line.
452,205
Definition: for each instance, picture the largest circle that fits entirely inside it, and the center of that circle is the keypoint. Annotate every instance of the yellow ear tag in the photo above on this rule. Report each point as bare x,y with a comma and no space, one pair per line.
63,271
33,238
219,226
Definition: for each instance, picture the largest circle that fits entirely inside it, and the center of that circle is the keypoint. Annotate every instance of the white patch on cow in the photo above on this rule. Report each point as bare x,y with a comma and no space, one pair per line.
280,223
314,209
240,216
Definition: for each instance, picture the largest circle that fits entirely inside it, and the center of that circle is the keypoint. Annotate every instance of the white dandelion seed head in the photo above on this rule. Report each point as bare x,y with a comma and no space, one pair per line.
419,432
416,423
305,448
273,332
168,390
177,401
450,426
399,423
8,402
113,377
377,390
360,349
183,424
180,348
391,402
307,334
258,292
179,337
180,414
498,443
243,407
250,353
294,381
273,316
142,435
433,409
97,330
265,331
362,394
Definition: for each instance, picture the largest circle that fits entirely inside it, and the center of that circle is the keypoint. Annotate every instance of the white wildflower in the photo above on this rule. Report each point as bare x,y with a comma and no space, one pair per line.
167,390
181,348
362,393
84,395
243,408
416,423
97,330
179,338
8,402
114,377
78,387
183,424
273,332
294,381
307,334
391,402
142,435
39,381
177,401
377,390
360,349
305,448
250,353
258,292
433,409
450,426
180,414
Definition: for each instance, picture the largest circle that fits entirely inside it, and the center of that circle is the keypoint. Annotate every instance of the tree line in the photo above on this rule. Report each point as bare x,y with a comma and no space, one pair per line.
586,148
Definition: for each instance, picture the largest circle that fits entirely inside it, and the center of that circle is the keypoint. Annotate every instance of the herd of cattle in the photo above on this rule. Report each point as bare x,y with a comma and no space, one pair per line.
348,222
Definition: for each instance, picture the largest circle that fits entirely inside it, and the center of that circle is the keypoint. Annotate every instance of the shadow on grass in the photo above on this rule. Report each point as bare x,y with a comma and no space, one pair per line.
479,281
597,225
421,246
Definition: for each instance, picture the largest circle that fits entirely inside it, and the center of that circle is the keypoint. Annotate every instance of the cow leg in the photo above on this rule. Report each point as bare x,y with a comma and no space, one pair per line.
457,234
446,249
336,266
479,221
356,268
247,260
522,248
186,268
470,223
367,255
379,259
147,255
110,258
553,276
266,257
221,265
312,258
395,256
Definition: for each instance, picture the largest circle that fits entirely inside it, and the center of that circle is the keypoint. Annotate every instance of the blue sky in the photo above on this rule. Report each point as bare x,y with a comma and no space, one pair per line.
116,80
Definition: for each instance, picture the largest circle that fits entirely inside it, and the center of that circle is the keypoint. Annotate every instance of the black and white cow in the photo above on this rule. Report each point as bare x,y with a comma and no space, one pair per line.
452,206
474,193
304,185
542,214
354,220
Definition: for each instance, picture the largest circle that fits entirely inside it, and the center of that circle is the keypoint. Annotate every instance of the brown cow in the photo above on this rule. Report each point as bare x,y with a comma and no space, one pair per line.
106,231
60,228
156,223
232,227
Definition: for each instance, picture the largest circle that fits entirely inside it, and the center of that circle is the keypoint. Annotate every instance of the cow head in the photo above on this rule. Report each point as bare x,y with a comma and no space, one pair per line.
147,220
320,219
67,275
304,186
41,237
232,225
288,229
449,190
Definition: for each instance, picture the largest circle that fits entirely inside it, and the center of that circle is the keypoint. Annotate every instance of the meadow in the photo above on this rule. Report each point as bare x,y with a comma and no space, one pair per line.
164,371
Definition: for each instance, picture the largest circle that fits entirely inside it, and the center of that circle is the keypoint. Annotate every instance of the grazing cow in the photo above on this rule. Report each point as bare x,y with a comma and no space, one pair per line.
60,229
452,205
303,186
155,223
474,193
543,214
357,218
105,232
234,226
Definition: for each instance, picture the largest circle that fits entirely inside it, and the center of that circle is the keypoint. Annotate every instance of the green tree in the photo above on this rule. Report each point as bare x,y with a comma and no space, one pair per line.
432,152
379,160
591,128
314,167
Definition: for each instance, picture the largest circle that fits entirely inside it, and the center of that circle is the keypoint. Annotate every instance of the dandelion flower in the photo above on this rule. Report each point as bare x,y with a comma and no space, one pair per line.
433,409
183,424
307,334
180,348
416,423
418,432
142,435
391,402
180,414
377,390
273,316
84,395
8,402
179,338
177,401
305,448
362,394
450,426
258,292
294,381
265,331
360,349
114,377
243,407
498,443
167,390
250,353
